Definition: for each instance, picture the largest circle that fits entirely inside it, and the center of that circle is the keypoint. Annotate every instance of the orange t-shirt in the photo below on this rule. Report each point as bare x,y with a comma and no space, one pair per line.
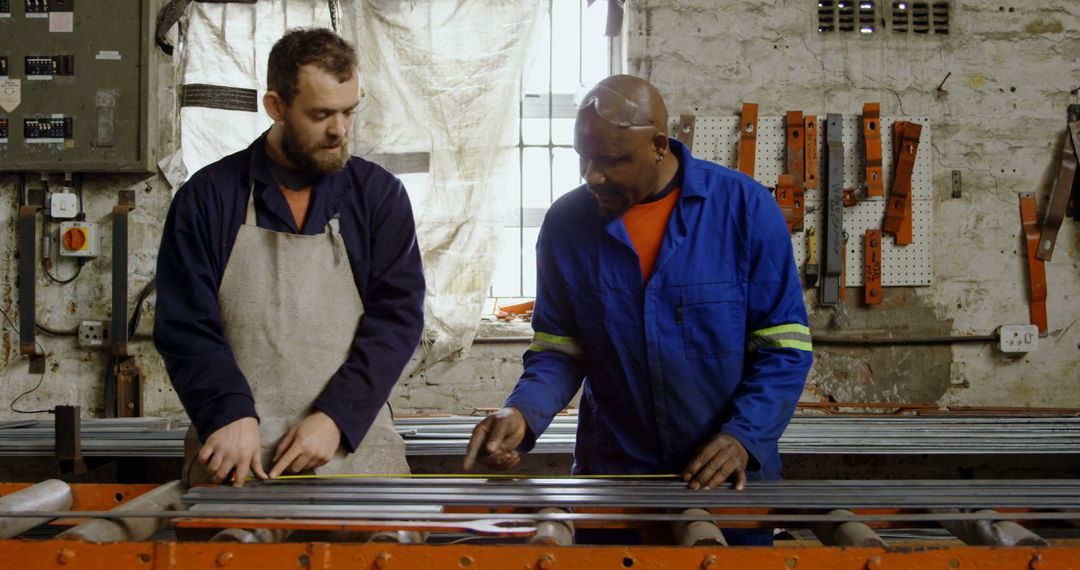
646,223
298,200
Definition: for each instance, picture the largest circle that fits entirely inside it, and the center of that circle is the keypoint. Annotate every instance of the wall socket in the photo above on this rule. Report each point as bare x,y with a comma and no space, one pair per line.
1018,338
93,334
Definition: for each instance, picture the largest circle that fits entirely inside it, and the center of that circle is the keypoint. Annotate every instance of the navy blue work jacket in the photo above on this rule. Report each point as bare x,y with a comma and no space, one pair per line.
200,230
715,341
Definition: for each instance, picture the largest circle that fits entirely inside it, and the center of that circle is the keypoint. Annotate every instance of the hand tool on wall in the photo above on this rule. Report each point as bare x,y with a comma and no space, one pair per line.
748,139
872,267
1036,268
898,207
811,260
811,164
1059,199
872,149
834,213
796,164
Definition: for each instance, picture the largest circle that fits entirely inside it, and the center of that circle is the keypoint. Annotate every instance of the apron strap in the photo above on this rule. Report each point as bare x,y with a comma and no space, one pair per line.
250,216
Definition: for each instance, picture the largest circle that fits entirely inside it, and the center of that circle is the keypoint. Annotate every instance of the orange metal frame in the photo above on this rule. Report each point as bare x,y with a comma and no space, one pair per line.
327,556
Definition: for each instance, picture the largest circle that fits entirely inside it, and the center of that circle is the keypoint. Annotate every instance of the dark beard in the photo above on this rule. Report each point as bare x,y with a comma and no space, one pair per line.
312,161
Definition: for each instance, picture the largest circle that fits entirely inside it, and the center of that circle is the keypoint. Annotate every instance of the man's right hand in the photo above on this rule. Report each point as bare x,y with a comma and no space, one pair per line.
495,439
233,446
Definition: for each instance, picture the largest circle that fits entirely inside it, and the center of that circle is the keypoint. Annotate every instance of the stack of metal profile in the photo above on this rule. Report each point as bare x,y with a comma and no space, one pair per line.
106,437
848,434
449,435
372,497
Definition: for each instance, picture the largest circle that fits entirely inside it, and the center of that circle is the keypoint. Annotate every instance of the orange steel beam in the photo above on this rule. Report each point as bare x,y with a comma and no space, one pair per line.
748,139
1036,266
872,266
898,206
811,167
330,556
872,137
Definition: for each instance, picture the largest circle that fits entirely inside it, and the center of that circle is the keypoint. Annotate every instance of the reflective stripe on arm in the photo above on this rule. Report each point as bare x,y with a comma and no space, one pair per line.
783,336
548,342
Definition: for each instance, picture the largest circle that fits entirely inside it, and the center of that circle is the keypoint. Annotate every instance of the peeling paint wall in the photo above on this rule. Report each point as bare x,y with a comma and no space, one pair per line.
999,119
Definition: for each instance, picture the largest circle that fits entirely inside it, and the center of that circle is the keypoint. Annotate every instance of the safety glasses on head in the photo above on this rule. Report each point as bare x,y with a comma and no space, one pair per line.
612,107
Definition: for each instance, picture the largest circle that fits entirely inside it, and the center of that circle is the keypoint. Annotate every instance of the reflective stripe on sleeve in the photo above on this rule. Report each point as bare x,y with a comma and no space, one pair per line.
548,342
782,336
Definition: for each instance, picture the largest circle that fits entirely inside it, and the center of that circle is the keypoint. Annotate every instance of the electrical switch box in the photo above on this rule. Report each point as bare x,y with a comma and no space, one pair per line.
63,205
1018,338
93,334
77,85
3,129
79,239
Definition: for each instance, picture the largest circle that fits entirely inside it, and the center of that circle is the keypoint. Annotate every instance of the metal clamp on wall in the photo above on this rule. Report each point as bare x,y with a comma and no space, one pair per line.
1059,199
1036,267
810,165
898,208
796,163
872,138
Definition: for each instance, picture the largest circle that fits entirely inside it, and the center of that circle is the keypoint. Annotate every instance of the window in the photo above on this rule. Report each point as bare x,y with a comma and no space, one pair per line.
573,52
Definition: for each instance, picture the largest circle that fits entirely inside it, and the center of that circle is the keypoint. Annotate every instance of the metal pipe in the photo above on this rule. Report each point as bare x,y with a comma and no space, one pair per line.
850,533
165,497
697,533
553,532
993,533
49,495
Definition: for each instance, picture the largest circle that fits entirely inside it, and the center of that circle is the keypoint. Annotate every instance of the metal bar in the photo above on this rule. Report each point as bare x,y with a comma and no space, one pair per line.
872,267
832,242
28,282
49,495
872,149
68,440
811,166
1059,199
748,138
1036,268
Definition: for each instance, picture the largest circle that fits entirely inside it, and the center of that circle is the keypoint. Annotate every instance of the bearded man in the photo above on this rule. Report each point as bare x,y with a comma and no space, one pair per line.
290,287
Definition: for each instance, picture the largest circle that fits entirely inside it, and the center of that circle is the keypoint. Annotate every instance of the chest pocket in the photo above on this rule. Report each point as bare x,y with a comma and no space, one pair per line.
713,317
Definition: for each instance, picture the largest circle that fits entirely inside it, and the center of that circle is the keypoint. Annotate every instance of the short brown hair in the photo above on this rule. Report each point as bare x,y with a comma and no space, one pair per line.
313,46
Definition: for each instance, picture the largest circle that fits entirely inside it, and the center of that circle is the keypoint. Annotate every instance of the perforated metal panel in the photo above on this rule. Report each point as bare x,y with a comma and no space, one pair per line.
717,139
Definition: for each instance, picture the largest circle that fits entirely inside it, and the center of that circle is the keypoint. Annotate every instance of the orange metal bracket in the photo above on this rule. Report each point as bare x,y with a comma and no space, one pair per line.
796,164
685,131
748,139
898,207
872,136
790,201
843,270
811,165
1036,266
872,266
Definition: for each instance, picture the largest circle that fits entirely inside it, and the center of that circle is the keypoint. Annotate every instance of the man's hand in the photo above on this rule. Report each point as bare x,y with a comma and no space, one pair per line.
309,444
233,446
720,458
494,440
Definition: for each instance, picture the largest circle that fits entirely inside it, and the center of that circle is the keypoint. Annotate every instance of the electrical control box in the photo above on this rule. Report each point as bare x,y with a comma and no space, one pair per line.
63,206
77,85
1018,338
79,239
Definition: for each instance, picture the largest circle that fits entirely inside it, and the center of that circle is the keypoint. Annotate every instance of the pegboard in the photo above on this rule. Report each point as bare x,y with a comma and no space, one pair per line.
717,139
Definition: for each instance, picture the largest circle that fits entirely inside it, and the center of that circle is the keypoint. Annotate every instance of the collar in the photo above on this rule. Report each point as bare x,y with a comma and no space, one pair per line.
693,176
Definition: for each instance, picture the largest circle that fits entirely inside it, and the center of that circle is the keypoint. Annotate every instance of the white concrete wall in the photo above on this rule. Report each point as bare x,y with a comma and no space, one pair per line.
999,119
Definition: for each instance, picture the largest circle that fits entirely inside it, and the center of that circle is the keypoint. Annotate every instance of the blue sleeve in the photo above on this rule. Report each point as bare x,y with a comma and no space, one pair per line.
390,329
187,322
553,364
779,352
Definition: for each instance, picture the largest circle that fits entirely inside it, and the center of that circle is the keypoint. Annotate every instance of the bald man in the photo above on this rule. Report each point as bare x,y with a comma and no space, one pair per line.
667,289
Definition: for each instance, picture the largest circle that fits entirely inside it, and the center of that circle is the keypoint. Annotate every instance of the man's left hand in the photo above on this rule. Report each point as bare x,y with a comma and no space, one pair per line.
309,444
716,461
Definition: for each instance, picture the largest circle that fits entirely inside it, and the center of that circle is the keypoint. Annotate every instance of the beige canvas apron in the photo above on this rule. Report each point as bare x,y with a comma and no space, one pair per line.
290,308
